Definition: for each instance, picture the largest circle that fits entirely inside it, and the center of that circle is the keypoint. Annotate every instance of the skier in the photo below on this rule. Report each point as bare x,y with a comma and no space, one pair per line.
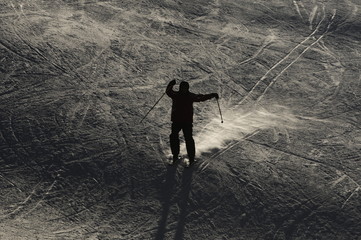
182,117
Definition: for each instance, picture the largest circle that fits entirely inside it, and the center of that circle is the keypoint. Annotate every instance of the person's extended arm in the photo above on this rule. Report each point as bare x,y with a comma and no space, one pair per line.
205,97
169,89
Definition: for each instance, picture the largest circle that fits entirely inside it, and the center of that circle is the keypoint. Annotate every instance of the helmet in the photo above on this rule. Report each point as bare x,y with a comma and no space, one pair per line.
184,86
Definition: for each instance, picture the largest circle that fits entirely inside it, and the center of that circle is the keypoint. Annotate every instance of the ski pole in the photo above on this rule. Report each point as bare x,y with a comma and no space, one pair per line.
152,108
220,110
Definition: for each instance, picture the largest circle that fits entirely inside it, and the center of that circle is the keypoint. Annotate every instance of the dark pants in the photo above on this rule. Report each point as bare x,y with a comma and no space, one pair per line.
174,139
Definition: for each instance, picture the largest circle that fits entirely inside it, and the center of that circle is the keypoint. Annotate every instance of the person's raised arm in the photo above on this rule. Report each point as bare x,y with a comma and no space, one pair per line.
169,89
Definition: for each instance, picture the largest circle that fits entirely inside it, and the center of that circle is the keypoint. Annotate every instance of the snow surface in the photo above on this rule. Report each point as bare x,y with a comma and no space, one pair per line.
78,76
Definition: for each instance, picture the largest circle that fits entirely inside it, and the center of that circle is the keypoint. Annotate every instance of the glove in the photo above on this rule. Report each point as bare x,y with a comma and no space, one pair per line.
173,82
215,95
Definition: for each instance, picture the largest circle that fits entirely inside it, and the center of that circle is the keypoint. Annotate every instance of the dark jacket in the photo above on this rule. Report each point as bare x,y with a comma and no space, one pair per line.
182,107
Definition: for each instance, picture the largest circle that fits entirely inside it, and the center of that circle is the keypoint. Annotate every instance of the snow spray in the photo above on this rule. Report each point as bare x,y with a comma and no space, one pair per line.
240,123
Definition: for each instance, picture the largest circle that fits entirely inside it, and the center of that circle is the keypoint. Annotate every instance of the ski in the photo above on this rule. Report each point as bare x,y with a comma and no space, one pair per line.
172,161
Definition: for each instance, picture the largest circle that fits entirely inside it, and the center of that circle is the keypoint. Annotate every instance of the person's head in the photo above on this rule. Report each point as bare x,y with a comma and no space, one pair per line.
183,87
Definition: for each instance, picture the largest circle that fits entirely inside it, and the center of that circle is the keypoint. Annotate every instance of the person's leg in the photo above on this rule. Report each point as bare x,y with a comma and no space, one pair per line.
174,140
190,145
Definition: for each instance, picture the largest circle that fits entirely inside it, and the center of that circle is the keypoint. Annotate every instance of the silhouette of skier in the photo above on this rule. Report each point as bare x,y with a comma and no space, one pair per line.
182,117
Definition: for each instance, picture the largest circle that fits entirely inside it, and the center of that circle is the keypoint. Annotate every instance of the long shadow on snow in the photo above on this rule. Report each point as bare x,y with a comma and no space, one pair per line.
183,200
167,191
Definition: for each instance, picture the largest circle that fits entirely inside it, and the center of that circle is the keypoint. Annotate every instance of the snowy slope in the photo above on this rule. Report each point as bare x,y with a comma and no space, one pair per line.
78,76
